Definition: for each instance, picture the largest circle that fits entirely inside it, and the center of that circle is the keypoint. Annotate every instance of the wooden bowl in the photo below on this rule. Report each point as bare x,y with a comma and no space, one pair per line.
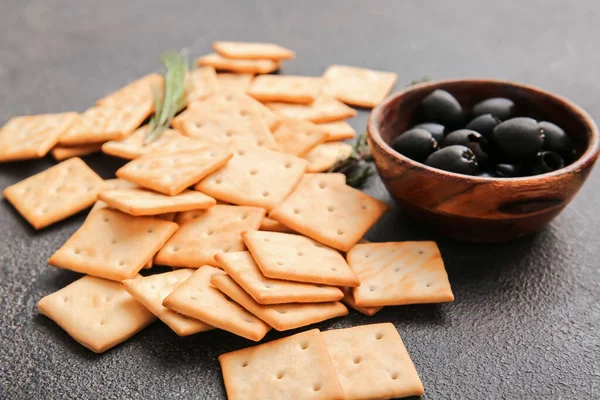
474,208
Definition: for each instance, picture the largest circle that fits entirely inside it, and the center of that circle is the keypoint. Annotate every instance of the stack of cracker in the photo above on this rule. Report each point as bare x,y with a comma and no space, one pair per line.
233,198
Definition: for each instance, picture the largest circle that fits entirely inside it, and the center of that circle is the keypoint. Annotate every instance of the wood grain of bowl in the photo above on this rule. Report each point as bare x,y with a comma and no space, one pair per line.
481,209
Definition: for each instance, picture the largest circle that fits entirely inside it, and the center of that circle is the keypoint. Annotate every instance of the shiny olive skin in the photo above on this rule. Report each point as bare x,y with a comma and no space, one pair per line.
441,107
547,161
436,130
518,140
556,140
508,170
484,124
468,138
415,144
488,174
499,107
458,159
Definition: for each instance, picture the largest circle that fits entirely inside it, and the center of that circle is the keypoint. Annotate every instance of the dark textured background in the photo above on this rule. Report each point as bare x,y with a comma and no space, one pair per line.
526,320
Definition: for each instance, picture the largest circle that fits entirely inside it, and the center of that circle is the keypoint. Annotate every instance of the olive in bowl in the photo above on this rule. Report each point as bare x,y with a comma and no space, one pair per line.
483,207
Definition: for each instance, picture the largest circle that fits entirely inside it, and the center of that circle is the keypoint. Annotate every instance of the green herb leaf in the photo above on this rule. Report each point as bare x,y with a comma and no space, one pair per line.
422,80
356,166
172,100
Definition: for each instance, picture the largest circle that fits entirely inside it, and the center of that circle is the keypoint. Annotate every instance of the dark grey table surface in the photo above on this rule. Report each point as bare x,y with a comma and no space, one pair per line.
526,320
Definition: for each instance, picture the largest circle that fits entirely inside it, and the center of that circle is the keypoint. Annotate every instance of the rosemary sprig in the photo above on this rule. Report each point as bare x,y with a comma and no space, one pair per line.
356,166
417,81
172,100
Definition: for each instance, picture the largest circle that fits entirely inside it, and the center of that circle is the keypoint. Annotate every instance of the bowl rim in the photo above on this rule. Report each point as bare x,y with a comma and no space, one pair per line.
591,152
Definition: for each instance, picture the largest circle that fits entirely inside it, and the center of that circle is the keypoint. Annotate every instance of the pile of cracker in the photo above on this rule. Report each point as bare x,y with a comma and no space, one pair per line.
233,198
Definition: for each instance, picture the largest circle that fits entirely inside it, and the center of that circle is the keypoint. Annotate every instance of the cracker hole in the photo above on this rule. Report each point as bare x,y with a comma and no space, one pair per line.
192,297
265,194
150,230
334,269
45,210
243,113
340,232
296,211
77,251
281,311
253,172
153,287
211,154
247,320
210,232
367,255
379,335
227,249
244,216
89,188
267,286
27,190
121,263
260,143
65,299
300,253
330,208
288,164
322,185
397,269
265,239
279,263
102,322
372,288
363,207
280,375
107,299
218,181
106,219
428,285
229,97
394,375
114,241
304,346
317,387
244,364
241,153
199,124
175,249
421,252
229,133
357,360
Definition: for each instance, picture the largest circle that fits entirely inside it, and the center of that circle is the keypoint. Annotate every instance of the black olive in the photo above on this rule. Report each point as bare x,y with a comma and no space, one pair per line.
436,130
459,159
547,161
488,174
470,139
441,107
416,144
518,139
484,124
508,170
499,107
556,140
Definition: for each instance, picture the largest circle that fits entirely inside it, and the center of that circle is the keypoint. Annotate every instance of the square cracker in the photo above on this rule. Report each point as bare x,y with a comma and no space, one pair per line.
97,313
372,363
324,108
295,367
133,146
146,202
215,121
255,177
298,258
113,245
152,290
325,155
235,83
243,270
286,88
332,213
358,86
268,224
245,66
348,300
198,298
226,102
281,317
339,130
252,50
298,137
109,122
398,273
32,136
172,173
204,233
200,84
60,153
140,91
56,193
